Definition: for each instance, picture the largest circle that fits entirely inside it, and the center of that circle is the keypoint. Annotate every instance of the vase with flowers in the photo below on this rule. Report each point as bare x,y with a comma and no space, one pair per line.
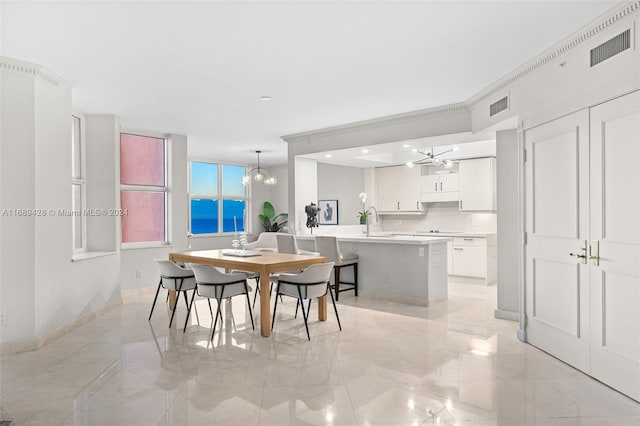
364,213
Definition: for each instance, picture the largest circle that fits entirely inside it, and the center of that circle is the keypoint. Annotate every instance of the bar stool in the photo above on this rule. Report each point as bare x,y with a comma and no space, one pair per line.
328,248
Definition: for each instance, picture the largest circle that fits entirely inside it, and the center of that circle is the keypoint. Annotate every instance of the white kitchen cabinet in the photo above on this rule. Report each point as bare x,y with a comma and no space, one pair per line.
398,190
469,261
477,182
439,188
449,258
388,180
410,189
474,257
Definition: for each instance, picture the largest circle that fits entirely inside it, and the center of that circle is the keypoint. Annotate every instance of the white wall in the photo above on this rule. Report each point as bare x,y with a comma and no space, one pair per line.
561,81
343,184
305,186
17,234
507,160
102,175
42,289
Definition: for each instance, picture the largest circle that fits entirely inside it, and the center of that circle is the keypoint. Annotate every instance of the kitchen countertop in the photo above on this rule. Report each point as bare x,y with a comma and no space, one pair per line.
386,238
448,234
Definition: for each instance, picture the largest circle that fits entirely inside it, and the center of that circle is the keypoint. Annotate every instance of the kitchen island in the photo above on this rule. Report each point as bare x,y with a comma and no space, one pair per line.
407,269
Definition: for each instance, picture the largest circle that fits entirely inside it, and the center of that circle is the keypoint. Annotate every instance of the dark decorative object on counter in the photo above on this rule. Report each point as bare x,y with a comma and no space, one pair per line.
312,215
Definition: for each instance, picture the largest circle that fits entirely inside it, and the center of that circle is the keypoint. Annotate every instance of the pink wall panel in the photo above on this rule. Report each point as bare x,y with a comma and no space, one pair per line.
141,160
144,220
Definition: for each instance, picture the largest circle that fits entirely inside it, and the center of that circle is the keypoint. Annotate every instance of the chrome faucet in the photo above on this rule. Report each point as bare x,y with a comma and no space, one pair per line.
367,217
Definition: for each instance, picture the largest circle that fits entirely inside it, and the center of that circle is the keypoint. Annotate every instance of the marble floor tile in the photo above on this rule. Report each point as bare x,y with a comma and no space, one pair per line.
451,363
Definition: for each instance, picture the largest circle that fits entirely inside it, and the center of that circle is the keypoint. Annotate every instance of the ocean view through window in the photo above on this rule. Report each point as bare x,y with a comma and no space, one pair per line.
217,198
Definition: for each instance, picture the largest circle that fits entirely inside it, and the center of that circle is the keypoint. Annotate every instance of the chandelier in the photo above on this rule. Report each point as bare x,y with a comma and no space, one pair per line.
431,157
259,175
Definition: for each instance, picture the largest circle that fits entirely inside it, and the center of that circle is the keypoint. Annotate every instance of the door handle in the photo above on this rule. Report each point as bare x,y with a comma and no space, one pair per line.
398,205
417,205
440,186
436,186
582,257
594,252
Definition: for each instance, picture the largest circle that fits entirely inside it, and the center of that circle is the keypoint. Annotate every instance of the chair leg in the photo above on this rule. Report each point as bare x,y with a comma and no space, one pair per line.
186,321
215,322
298,305
334,307
304,315
337,281
275,307
255,295
355,278
175,306
156,298
246,289
210,310
271,289
186,301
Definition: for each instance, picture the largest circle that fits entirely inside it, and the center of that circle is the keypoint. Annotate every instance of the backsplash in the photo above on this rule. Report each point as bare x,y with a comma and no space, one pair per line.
442,217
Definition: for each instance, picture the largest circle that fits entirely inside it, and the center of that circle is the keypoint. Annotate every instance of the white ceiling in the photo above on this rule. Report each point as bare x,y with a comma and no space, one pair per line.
199,67
466,145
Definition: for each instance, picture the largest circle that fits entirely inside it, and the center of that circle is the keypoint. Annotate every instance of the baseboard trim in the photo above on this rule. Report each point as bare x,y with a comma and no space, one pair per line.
506,315
420,301
144,291
522,335
11,348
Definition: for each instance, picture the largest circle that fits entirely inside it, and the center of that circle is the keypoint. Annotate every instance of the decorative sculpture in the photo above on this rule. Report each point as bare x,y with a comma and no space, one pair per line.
312,215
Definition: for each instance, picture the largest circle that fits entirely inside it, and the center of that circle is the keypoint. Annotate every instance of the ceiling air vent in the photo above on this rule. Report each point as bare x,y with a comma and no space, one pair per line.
610,48
498,106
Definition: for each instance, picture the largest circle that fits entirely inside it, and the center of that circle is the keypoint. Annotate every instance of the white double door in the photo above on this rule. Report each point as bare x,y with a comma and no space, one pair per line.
582,189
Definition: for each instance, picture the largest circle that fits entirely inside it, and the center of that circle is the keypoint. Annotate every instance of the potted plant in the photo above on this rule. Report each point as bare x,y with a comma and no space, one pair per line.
364,213
268,219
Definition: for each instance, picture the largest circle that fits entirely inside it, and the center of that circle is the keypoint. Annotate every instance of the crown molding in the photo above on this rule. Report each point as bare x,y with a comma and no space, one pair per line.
378,122
28,68
587,32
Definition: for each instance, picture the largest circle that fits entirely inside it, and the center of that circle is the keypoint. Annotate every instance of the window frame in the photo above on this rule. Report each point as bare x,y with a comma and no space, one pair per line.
78,211
148,188
220,198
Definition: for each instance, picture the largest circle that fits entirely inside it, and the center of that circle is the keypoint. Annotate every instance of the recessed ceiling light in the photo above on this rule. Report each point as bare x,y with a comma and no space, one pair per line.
406,145
327,155
265,98
454,149
365,151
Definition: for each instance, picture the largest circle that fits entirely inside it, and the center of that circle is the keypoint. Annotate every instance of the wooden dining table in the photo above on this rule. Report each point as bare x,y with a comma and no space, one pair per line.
264,264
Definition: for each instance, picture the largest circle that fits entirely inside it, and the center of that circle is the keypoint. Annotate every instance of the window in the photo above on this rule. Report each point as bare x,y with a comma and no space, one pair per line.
143,188
78,186
217,198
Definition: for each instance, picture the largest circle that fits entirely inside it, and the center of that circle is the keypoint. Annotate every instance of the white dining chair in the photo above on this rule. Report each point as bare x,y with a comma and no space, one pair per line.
176,278
213,284
311,283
